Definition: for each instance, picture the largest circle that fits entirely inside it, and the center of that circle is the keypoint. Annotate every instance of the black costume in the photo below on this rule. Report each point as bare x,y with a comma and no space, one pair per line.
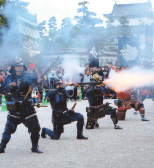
97,109
61,115
20,108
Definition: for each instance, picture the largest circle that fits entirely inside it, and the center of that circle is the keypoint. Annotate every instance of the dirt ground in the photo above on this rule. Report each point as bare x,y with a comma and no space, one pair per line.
132,147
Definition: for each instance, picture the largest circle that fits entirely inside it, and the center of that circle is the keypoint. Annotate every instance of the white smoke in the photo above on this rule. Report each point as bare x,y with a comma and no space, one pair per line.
72,70
11,39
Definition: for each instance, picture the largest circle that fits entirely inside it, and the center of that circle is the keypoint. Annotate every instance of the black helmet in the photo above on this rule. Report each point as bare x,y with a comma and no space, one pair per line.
17,62
54,81
58,81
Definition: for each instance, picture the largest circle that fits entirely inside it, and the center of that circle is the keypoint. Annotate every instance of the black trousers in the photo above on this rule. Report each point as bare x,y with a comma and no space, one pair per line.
31,123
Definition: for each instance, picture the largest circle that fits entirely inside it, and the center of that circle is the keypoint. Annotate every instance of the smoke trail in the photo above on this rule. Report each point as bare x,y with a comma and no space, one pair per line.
20,36
72,70
11,38
128,79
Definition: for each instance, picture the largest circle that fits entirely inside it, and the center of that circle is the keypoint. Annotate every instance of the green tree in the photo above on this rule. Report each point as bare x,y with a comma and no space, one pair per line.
110,21
10,9
86,28
65,34
83,9
52,37
66,23
42,28
70,35
86,19
52,24
3,20
123,21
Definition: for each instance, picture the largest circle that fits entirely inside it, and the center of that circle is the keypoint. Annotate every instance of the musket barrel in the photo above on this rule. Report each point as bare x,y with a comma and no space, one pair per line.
49,68
87,83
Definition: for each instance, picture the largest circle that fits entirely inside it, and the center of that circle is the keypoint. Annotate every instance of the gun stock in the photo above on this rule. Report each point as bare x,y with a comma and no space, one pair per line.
73,106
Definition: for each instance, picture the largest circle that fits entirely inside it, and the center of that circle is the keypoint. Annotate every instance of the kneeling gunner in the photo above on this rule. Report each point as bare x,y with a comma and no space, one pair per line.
60,113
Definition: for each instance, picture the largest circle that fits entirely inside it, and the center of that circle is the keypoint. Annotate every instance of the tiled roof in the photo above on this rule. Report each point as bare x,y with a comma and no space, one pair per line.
133,9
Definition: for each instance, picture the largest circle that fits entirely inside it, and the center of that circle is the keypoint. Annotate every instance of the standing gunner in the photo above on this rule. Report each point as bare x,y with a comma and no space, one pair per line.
60,113
127,100
18,96
97,109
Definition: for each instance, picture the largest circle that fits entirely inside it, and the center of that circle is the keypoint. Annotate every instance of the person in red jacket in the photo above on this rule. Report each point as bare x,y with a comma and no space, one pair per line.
127,100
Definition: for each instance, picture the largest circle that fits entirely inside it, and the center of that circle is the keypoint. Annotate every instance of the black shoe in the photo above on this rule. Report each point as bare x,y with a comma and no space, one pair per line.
117,127
89,126
36,150
144,119
2,151
43,133
80,136
2,148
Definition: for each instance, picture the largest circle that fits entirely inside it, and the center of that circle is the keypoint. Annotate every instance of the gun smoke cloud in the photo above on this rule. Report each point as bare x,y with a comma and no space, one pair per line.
129,79
72,70
11,40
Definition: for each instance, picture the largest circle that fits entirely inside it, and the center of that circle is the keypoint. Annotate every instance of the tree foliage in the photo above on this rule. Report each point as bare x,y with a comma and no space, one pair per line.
3,20
42,28
52,23
85,18
123,21
71,35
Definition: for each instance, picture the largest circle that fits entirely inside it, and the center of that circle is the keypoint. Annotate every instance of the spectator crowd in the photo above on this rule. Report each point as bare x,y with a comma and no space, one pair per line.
99,74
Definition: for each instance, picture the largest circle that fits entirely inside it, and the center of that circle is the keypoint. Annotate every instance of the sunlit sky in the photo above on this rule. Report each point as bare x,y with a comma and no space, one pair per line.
46,9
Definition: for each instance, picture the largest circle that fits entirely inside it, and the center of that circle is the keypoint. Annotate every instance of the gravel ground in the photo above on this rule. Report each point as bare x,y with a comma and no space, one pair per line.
132,147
